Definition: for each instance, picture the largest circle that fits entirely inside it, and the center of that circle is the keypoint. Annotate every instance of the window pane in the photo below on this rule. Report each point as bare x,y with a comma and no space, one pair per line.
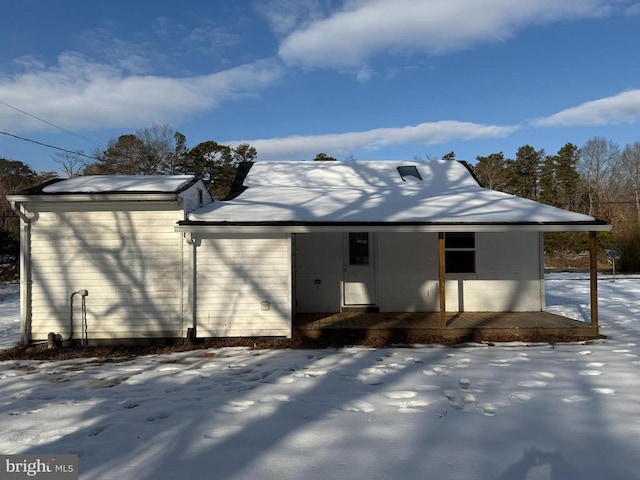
459,240
359,248
409,171
460,261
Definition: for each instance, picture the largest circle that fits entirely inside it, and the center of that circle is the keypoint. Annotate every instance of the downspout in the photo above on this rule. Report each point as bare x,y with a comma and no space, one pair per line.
192,332
25,272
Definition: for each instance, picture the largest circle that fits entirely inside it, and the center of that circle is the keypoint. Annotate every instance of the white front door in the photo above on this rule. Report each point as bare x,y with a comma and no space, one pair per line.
359,269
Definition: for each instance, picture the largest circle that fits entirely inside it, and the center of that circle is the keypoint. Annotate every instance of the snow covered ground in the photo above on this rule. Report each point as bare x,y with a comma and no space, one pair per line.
511,411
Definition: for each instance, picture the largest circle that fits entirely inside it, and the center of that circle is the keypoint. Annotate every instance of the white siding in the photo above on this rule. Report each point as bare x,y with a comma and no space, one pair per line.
129,261
244,286
508,277
191,198
408,272
319,267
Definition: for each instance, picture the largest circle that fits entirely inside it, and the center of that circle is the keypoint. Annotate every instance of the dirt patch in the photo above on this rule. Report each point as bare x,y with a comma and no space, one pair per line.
122,353
9,273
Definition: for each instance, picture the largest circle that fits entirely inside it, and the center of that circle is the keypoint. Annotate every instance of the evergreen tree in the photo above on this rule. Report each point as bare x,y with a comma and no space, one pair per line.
214,164
523,172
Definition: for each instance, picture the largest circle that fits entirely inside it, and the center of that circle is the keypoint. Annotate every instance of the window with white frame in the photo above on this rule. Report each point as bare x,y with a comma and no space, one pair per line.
460,252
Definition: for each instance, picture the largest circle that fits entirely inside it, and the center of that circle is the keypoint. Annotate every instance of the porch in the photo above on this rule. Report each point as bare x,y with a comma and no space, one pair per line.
449,327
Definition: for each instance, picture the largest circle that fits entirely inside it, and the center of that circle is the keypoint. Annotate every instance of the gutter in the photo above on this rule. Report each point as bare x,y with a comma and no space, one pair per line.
93,197
25,271
201,229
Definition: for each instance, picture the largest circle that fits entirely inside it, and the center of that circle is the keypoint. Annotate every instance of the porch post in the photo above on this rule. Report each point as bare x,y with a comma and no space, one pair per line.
441,277
593,278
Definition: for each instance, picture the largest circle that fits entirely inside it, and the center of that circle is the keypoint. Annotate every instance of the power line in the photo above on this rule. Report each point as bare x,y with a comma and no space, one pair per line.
49,146
87,139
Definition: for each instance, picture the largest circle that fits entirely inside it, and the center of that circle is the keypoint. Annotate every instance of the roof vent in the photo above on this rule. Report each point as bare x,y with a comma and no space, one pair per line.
409,171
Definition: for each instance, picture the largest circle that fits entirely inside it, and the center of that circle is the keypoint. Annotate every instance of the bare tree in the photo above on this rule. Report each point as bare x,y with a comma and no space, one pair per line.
629,170
159,148
597,159
490,171
72,164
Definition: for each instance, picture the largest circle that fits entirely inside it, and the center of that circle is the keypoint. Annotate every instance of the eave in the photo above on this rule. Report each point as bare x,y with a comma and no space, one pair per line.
93,197
205,228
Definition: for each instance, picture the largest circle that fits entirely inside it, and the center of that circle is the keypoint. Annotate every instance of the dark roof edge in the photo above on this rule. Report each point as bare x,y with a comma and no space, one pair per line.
373,224
237,186
39,189
187,186
470,169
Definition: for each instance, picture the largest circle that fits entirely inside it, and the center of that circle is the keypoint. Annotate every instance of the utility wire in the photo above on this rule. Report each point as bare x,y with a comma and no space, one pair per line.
87,139
48,146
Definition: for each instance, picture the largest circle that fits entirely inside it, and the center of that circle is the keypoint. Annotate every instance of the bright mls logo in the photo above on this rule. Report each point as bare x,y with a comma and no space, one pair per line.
51,467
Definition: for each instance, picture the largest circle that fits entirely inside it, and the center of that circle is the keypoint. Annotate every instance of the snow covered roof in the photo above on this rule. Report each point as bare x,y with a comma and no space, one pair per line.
374,192
121,183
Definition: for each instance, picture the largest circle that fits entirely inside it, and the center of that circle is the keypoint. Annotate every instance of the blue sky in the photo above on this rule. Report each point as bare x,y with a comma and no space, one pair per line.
377,79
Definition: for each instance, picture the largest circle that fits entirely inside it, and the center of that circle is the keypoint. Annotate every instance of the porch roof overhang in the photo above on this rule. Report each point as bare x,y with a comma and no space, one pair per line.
201,229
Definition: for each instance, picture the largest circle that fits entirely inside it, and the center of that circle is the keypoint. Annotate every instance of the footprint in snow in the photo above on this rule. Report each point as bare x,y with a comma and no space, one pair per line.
464,383
438,370
502,362
169,369
369,380
521,397
427,388
576,399
463,363
275,398
604,391
238,406
222,432
533,384
310,373
129,404
358,406
489,409
402,394
544,375
158,416
410,406
457,400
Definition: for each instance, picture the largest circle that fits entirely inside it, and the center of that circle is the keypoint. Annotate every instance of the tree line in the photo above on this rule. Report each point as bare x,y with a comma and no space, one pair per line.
599,178
161,150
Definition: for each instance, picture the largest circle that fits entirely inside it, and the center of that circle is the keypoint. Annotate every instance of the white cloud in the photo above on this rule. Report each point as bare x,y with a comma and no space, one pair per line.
621,108
78,93
633,10
362,30
427,133
285,16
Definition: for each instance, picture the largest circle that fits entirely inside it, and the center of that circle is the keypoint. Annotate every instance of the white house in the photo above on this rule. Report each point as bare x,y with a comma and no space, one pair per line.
106,243
294,238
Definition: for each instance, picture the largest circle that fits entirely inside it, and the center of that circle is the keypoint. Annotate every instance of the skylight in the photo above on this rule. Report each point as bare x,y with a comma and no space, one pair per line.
409,171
